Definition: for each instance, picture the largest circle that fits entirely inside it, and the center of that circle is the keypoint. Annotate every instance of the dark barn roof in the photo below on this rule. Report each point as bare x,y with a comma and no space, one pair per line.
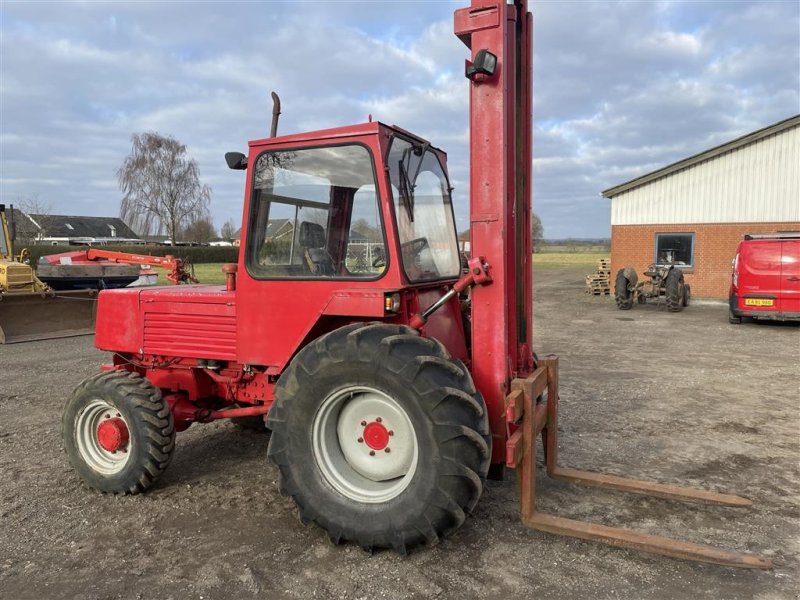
25,229
71,226
278,228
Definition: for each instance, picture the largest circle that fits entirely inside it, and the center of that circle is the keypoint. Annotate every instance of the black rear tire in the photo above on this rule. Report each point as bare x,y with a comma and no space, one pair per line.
674,290
622,295
449,427
148,441
733,319
687,294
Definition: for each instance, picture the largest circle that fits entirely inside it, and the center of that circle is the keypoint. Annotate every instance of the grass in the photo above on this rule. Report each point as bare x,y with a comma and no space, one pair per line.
569,260
205,273
586,260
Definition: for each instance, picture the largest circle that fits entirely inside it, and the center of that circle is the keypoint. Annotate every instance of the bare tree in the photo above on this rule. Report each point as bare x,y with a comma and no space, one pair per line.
161,186
365,228
537,231
228,231
39,214
200,230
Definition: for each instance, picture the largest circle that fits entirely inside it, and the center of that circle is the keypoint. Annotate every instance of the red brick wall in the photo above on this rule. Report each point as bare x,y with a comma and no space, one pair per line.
714,248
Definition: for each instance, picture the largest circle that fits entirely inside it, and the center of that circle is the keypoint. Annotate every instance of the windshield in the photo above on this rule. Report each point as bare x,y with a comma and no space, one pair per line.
424,212
3,248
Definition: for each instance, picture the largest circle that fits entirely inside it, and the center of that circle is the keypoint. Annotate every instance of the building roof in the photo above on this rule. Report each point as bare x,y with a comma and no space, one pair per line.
703,156
77,226
278,228
357,237
25,228
74,226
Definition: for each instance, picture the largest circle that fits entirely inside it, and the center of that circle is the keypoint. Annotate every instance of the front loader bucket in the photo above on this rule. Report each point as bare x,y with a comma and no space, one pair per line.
27,317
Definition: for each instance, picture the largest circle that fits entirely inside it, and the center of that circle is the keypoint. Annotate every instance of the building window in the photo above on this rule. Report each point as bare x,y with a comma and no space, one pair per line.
677,248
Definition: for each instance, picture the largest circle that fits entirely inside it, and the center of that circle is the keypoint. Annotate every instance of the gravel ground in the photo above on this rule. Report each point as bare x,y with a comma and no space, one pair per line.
679,398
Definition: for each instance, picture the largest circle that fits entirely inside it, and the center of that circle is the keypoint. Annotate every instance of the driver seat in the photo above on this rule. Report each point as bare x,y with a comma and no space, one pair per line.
312,238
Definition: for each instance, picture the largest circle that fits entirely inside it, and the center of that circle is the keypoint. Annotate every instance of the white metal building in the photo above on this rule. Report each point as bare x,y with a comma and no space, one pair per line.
702,206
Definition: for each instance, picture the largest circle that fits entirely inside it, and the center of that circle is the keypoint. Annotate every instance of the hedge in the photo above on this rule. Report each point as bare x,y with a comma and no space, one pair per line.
193,254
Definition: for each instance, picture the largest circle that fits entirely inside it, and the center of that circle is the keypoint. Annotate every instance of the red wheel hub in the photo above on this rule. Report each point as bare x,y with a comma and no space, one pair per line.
112,434
376,435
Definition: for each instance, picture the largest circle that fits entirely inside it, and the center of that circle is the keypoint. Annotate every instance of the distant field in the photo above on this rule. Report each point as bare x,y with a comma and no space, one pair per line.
569,260
573,249
212,272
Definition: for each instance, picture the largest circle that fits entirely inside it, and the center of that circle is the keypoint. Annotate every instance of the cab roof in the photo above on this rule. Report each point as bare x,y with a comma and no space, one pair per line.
360,129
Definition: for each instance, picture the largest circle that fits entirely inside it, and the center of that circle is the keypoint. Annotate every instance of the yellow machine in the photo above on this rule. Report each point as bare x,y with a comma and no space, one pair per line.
29,309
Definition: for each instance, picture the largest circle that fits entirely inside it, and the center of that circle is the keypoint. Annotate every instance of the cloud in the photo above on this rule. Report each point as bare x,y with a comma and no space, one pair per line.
620,88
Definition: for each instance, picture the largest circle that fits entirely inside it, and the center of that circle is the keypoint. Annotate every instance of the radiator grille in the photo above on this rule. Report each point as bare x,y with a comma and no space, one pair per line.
190,335
19,278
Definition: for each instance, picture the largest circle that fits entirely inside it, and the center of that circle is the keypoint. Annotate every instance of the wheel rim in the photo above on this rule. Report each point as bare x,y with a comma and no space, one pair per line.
364,444
103,437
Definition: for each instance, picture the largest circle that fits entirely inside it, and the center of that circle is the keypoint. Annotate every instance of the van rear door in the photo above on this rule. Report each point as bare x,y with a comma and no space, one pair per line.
790,276
760,276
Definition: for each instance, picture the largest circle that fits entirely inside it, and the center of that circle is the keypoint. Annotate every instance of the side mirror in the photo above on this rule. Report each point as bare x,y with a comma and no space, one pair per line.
485,63
236,161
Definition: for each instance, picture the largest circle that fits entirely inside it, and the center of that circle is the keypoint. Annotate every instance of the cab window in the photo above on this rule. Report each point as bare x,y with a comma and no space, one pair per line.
315,214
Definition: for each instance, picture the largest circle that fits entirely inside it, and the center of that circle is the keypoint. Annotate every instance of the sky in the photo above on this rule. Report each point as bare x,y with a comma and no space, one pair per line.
620,89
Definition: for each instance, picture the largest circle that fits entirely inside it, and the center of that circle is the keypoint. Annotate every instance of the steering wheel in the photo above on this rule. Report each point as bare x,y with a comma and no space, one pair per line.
412,248
379,261
412,258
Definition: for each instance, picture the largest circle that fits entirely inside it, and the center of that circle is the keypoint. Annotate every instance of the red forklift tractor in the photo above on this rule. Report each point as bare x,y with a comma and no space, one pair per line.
388,405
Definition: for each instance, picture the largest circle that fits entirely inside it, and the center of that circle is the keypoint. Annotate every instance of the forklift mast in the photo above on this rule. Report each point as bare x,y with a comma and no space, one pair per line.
500,196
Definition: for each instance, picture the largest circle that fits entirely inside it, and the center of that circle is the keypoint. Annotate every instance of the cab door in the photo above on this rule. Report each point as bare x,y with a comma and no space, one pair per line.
312,233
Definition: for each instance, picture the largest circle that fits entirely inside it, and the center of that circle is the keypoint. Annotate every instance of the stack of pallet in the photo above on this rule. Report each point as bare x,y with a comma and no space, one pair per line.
599,284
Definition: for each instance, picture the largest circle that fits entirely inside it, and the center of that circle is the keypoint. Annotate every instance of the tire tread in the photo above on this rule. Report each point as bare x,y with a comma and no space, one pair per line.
149,410
443,387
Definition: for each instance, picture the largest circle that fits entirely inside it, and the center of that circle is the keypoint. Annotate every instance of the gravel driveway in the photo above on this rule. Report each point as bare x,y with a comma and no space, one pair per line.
679,398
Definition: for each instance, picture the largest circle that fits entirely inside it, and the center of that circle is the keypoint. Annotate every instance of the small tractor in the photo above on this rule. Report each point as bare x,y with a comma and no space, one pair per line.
665,284
29,308
389,402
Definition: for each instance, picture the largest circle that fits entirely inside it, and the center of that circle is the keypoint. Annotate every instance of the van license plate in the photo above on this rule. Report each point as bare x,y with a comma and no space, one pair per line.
758,301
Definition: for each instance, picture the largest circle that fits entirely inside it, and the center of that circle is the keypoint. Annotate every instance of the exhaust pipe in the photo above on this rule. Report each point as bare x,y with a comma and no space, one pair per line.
276,112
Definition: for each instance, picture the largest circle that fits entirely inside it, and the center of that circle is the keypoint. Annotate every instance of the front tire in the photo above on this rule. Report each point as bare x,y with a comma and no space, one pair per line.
623,295
380,437
118,432
674,290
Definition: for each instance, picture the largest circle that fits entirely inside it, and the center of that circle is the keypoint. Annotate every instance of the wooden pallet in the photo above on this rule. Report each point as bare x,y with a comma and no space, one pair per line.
599,283
598,291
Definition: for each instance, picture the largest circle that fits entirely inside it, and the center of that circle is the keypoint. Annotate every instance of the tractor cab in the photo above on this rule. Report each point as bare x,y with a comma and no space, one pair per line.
373,204
342,224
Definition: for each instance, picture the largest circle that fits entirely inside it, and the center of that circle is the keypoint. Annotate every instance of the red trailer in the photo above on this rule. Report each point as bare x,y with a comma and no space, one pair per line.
390,392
